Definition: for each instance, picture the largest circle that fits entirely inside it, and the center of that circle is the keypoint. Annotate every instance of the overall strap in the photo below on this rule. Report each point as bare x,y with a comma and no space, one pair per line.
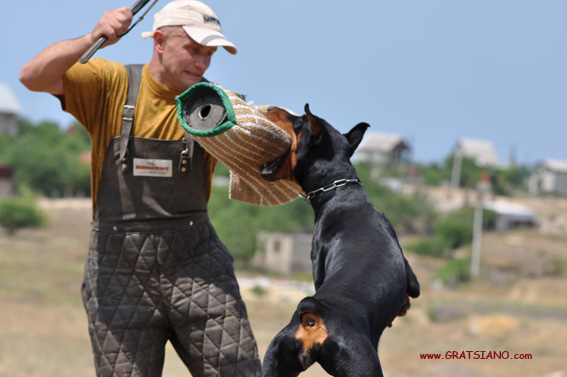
134,79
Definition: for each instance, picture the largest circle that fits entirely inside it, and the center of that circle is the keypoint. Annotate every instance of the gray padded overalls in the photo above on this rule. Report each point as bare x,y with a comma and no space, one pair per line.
156,270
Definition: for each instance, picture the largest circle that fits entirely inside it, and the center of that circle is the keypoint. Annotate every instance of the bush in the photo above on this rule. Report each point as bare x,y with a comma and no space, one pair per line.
450,233
559,267
18,213
432,246
455,272
454,234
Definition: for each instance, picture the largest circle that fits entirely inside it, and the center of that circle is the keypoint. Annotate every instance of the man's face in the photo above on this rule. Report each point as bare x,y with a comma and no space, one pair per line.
183,61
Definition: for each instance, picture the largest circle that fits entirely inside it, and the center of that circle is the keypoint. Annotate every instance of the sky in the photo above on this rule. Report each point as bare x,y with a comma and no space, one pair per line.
432,71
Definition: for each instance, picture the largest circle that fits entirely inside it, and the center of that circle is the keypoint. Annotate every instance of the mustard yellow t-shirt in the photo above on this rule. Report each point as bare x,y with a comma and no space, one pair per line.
95,94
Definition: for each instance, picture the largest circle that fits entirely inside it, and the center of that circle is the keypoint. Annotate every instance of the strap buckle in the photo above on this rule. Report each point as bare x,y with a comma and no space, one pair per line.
128,113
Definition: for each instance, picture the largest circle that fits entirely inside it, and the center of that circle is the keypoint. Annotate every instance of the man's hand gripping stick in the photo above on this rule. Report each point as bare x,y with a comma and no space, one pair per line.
138,5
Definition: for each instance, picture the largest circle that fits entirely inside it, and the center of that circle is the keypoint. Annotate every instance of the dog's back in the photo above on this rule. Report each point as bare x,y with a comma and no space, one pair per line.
358,263
362,278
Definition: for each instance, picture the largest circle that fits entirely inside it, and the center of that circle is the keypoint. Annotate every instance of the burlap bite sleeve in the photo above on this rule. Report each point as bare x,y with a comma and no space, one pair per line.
241,137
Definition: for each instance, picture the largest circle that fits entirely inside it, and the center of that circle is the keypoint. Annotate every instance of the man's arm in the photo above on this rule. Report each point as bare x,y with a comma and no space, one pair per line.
44,72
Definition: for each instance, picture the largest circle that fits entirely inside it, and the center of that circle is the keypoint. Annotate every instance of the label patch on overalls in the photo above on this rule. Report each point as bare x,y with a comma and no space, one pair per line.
153,168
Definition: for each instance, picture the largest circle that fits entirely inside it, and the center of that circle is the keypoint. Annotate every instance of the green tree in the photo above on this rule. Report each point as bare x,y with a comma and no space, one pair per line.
470,172
46,159
238,223
406,213
434,174
25,125
451,232
507,181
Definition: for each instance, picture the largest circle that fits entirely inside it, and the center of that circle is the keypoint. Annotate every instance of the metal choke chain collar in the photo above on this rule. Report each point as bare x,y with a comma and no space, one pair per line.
336,184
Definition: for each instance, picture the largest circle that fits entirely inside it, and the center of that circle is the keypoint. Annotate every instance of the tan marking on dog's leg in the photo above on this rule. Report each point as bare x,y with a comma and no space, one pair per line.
405,307
311,331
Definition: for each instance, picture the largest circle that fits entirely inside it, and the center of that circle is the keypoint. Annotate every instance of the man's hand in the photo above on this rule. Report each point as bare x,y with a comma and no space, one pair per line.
113,24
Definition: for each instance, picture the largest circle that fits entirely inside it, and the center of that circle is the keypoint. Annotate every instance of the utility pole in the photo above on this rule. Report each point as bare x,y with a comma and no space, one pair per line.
477,237
482,186
456,172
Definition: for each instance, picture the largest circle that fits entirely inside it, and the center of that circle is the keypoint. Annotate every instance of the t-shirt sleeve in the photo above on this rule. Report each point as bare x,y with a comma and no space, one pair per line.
94,92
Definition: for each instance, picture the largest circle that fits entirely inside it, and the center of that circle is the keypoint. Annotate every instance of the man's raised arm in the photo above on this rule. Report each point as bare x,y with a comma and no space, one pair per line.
44,72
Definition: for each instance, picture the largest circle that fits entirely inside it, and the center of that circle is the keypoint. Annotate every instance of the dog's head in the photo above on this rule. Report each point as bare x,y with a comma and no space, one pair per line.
316,148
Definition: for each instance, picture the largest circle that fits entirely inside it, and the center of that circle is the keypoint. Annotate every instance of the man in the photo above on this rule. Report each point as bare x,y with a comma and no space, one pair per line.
156,270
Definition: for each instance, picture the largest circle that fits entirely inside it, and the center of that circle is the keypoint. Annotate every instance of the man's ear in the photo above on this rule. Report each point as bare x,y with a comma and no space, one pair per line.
355,136
159,40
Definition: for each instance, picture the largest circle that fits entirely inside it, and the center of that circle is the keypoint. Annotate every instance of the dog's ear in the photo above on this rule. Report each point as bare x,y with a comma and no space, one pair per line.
355,136
281,117
316,128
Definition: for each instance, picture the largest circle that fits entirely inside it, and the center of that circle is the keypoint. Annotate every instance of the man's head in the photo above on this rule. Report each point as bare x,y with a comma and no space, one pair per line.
186,34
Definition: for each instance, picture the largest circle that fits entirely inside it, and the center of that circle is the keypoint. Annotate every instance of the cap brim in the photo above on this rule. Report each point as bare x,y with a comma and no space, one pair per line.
211,38
204,37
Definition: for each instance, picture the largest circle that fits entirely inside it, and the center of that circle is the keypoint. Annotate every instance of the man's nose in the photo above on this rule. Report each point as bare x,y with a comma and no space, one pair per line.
202,63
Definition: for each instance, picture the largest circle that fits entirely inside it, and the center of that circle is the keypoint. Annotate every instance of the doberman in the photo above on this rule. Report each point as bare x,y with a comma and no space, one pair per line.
362,279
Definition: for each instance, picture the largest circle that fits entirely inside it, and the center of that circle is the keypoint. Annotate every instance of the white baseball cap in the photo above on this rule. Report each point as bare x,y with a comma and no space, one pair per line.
197,19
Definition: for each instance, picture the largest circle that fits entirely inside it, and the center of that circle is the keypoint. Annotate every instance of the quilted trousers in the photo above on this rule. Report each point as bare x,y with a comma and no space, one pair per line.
143,289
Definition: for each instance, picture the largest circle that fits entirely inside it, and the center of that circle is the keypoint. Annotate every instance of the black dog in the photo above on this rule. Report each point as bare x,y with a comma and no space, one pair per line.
362,278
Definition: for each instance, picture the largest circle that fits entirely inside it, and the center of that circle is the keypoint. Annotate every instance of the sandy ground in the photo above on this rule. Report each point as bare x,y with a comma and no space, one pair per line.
519,307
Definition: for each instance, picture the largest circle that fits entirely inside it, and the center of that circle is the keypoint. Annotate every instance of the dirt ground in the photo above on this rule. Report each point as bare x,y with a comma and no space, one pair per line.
517,308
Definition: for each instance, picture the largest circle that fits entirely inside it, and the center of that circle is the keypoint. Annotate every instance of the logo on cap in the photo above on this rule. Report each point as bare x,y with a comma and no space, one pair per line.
210,19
